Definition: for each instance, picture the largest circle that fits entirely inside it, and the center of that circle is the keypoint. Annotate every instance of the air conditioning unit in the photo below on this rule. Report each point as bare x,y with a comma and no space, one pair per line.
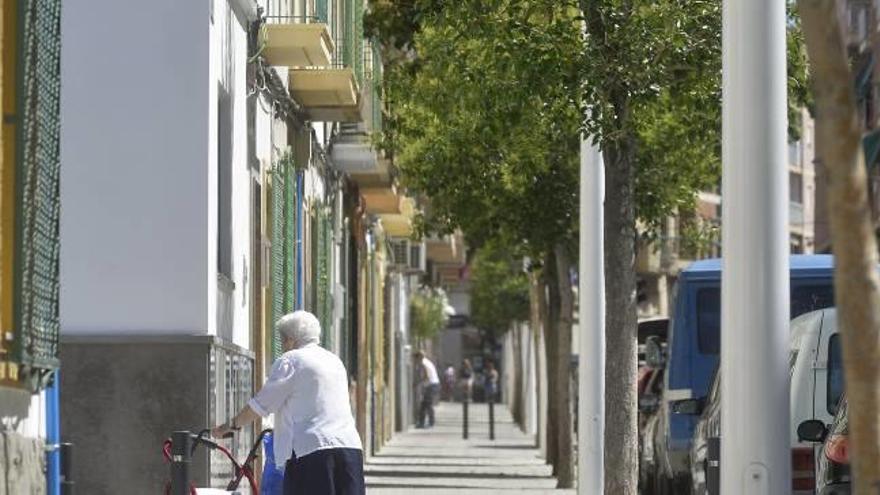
408,255
417,257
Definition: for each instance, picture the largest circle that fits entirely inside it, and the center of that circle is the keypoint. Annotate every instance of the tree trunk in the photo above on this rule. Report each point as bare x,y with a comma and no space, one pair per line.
621,429
516,399
838,144
563,382
549,298
537,319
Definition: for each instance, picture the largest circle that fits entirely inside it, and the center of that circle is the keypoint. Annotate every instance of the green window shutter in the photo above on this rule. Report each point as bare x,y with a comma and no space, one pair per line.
359,52
324,303
37,158
279,189
290,239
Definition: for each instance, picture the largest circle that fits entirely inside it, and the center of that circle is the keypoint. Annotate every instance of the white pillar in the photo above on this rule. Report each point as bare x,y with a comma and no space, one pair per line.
591,290
755,449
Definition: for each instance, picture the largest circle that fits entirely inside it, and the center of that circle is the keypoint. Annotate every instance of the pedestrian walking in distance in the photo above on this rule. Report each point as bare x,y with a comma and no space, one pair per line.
315,435
448,382
491,382
467,380
430,383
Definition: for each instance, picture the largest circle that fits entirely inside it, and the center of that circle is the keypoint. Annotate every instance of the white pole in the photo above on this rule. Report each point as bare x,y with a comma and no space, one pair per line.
755,448
591,290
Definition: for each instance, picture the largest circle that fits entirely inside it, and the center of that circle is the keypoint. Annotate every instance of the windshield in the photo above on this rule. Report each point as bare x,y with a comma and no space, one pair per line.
804,298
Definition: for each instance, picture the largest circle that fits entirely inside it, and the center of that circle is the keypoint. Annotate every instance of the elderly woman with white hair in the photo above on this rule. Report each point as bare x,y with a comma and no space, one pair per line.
315,435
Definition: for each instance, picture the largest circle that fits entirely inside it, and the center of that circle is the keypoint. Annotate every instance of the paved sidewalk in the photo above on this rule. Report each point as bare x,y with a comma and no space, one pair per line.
439,462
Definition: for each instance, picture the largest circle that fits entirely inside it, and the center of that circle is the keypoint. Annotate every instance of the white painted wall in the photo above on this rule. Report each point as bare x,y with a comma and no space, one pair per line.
134,151
228,67
23,413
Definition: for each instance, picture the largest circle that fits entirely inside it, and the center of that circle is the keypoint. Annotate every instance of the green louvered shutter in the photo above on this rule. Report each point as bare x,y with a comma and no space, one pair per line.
38,175
279,189
290,240
324,276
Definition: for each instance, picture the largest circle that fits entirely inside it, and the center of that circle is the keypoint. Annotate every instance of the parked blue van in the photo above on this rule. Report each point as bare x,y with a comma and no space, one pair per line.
695,344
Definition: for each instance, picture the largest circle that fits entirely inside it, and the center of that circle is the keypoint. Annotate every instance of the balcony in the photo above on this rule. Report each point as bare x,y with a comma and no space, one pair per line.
298,44
327,94
382,200
448,249
352,152
400,225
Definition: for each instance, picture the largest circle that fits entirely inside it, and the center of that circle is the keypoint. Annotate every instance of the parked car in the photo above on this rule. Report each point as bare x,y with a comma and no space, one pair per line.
694,345
816,387
650,397
832,464
704,465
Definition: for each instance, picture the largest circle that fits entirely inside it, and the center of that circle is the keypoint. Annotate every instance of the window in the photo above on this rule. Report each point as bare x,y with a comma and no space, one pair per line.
796,243
794,154
795,187
709,320
835,374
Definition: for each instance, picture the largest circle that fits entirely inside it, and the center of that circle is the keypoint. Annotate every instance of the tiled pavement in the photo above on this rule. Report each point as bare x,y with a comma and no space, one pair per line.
439,462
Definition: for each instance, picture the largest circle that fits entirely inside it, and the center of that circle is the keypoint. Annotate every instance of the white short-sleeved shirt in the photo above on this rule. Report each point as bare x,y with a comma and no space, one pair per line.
430,372
307,390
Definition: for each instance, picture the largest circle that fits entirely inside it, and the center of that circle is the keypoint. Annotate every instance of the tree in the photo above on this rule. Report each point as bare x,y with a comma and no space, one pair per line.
652,77
838,144
499,288
484,120
487,101
499,301
428,312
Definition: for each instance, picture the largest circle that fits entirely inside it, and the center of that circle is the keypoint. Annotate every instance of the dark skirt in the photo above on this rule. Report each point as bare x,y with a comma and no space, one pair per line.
326,472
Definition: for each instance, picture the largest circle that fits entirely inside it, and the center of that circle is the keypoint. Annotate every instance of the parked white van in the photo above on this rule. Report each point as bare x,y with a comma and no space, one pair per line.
816,362
816,365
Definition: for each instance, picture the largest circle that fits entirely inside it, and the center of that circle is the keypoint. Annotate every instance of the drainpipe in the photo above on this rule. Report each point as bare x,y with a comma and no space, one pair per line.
300,277
53,436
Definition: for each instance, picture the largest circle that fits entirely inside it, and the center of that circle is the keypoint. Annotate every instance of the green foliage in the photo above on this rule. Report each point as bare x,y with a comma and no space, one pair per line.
484,122
489,101
500,288
427,312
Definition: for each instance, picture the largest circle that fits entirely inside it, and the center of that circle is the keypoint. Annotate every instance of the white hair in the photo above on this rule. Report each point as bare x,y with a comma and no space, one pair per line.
301,327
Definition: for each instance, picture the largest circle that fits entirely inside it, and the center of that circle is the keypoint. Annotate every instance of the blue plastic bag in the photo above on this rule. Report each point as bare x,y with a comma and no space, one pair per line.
273,478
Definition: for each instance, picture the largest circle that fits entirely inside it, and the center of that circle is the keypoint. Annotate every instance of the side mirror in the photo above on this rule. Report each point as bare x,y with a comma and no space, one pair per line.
812,430
655,357
692,407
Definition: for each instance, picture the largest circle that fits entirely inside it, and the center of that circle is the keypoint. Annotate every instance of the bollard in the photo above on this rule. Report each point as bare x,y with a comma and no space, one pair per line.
181,452
67,484
491,418
464,405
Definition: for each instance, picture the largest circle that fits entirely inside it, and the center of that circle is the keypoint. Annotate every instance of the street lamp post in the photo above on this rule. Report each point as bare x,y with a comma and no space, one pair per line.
591,323
755,450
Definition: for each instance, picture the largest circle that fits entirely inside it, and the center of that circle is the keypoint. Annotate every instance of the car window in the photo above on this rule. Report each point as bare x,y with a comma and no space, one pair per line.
804,299
835,373
807,298
709,320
